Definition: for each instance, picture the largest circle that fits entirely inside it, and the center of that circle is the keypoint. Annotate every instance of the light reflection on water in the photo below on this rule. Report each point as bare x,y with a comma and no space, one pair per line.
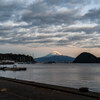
69,75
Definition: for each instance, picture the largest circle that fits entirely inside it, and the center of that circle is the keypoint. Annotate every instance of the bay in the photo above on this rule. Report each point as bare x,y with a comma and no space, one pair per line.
62,74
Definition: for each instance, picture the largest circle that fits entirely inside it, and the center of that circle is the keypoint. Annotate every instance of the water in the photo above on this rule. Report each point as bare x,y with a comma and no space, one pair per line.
69,75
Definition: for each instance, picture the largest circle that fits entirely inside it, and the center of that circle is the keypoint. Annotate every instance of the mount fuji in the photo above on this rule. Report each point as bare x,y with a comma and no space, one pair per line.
56,57
54,53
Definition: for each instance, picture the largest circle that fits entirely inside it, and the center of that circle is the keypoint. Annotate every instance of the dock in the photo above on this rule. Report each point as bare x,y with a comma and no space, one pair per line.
15,89
13,68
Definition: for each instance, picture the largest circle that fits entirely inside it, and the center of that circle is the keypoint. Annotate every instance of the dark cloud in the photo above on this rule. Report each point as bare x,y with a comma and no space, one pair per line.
9,9
40,14
68,3
48,22
92,15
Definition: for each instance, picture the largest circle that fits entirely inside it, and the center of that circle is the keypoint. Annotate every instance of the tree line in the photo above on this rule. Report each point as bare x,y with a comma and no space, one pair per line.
17,57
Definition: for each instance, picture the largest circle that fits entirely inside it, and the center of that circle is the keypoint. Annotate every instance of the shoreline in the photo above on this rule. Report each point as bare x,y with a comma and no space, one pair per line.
48,88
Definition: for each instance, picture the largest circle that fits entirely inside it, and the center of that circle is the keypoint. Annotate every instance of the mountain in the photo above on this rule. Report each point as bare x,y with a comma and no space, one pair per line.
98,59
55,57
54,53
86,57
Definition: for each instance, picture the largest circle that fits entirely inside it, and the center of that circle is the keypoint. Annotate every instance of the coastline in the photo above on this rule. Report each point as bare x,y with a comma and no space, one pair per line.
38,91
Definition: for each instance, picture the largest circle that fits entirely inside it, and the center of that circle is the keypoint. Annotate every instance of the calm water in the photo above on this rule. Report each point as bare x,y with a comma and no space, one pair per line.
69,75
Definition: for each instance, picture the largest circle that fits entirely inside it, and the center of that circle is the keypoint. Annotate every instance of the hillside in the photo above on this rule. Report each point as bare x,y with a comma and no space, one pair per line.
86,58
16,57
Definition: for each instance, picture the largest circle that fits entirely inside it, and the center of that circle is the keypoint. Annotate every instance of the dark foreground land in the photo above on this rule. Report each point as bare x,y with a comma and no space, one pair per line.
12,89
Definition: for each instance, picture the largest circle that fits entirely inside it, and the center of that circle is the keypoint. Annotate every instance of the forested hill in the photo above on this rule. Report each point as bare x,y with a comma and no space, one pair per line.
86,57
16,57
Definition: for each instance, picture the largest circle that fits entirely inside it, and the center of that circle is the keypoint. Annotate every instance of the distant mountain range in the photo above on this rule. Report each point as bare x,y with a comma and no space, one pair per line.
54,57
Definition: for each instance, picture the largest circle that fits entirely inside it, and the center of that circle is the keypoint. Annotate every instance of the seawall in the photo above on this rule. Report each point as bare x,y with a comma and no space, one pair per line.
41,91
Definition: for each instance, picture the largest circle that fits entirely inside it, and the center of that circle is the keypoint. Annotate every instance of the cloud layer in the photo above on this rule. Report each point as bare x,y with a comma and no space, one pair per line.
50,23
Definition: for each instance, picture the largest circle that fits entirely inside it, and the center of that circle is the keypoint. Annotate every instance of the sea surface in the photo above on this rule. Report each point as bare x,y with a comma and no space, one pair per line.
68,75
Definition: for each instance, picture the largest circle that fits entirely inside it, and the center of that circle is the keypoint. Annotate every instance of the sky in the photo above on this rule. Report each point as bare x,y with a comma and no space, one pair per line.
38,27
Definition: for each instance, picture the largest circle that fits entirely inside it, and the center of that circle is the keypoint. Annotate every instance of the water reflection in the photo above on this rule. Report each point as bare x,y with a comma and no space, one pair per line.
69,75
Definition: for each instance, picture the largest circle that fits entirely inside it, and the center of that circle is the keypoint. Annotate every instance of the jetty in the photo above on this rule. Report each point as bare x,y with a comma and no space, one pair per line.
12,68
14,89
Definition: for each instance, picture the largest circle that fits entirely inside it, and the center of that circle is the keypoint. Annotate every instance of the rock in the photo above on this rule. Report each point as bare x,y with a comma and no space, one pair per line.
83,89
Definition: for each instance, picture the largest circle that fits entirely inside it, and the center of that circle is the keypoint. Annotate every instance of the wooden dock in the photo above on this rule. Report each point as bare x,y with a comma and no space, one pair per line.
12,89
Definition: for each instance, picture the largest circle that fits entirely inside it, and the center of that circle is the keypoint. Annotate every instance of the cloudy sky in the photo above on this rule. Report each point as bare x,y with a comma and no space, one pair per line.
37,27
